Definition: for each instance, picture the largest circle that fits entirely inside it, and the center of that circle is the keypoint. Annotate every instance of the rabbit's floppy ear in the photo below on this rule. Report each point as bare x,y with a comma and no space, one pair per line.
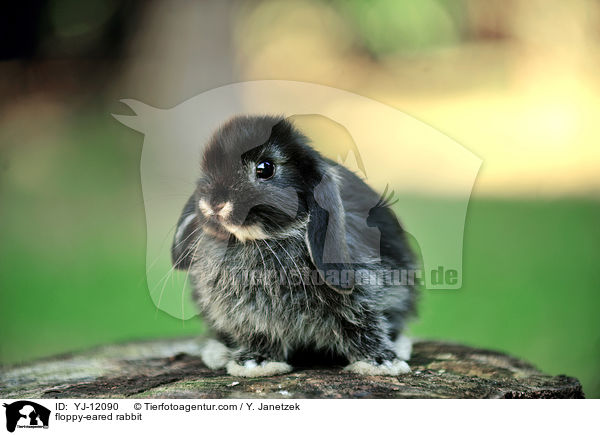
326,234
186,234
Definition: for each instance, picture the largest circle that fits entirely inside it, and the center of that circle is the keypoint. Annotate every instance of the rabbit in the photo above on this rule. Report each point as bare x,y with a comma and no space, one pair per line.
268,203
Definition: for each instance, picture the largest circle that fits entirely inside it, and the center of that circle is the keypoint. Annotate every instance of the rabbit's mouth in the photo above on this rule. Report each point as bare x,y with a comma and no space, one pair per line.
221,223
214,228
223,228
245,232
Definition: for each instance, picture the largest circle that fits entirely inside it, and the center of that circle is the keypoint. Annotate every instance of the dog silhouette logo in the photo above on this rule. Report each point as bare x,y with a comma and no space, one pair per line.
432,175
26,414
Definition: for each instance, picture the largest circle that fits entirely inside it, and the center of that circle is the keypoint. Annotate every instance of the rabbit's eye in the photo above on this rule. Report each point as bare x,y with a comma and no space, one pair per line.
265,170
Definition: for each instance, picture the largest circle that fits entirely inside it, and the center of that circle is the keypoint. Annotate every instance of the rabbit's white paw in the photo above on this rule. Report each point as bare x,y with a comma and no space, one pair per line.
403,347
386,368
214,354
251,368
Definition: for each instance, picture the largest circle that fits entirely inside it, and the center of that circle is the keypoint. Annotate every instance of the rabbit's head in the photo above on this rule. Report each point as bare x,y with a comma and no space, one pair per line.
252,171
260,179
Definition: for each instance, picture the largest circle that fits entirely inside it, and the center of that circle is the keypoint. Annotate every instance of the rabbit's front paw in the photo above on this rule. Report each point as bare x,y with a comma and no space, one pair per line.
386,368
252,369
215,354
403,347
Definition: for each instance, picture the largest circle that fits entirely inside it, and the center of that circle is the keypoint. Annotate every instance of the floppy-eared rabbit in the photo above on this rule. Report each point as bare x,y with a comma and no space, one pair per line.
267,202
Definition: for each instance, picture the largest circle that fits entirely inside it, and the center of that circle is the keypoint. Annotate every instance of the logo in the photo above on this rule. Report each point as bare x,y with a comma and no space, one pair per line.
26,414
431,174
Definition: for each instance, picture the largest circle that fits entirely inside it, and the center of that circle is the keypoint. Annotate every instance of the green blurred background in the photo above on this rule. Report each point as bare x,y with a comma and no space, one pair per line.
514,81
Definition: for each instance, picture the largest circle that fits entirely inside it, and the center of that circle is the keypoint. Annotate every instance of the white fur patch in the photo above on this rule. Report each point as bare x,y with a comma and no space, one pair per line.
249,232
205,207
251,369
387,368
403,347
214,354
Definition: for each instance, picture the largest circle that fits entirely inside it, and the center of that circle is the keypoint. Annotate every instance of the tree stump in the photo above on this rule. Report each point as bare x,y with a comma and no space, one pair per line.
173,369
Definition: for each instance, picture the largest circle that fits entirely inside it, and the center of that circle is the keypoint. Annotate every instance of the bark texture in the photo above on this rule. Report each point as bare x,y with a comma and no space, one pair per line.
173,369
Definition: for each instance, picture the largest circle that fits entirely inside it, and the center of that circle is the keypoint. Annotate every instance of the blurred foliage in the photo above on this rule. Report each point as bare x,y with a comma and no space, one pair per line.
388,26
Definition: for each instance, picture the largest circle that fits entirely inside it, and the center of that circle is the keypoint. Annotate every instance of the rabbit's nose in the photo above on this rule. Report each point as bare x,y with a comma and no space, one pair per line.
217,208
222,209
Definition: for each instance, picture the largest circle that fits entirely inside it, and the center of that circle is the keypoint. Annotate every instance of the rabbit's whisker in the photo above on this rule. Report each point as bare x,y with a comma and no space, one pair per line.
169,273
